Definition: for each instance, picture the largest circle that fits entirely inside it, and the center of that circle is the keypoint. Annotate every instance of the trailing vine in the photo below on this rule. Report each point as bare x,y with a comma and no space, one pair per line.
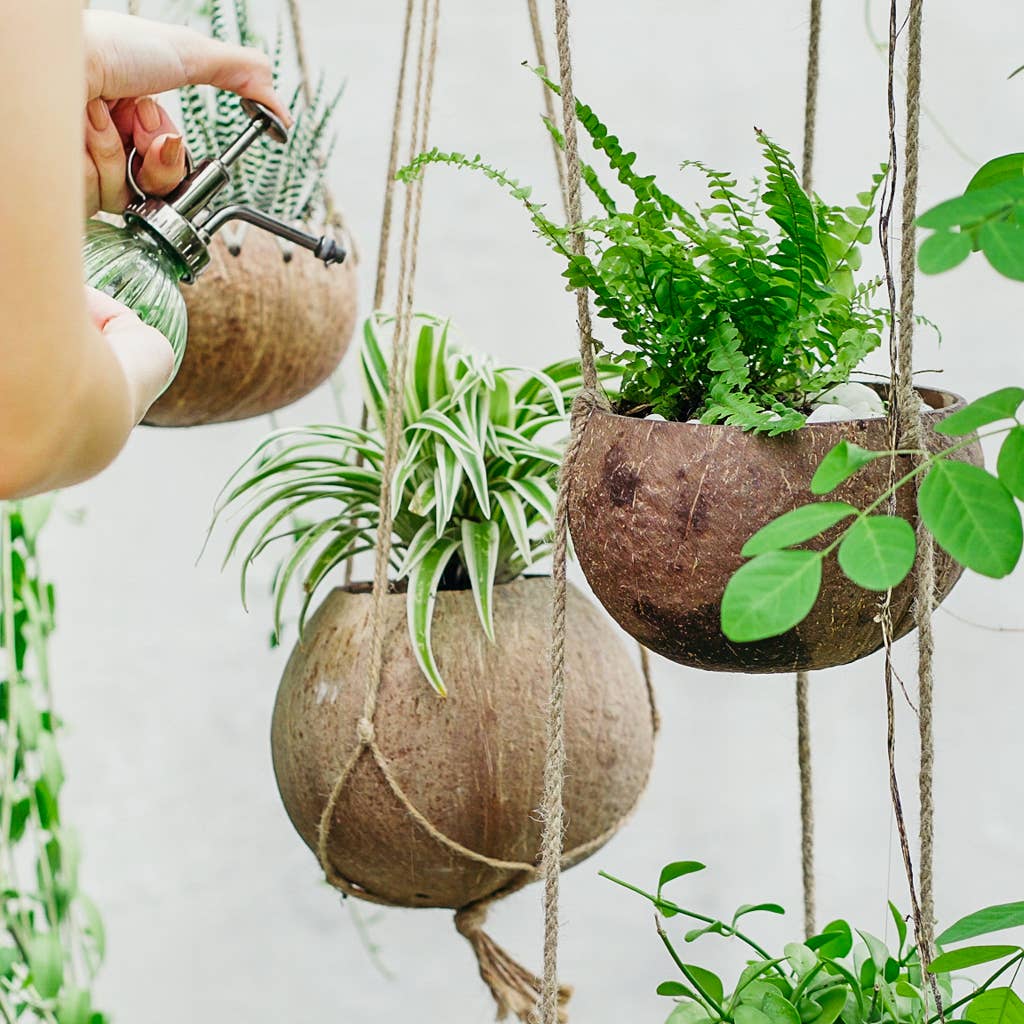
51,937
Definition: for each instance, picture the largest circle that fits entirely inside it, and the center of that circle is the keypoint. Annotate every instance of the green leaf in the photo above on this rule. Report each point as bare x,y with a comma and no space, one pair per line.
969,956
674,988
747,1014
832,1004
709,983
479,552
511,505
46,963
973,516
1002,169
834,941
1011,462
421,597
800,958
754,908
688,1013
779,1009
982,922
878,552
797,526
74,1007
901,924
1003,245
677,869
876,948
770,595
840,464
967,209
999,405
995,1006
943,251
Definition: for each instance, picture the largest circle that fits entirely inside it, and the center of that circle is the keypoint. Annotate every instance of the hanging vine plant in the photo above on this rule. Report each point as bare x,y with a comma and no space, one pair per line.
741,324
51,938
443,760
264,329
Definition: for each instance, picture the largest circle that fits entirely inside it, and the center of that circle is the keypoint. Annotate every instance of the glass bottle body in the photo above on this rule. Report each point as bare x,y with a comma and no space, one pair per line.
129,265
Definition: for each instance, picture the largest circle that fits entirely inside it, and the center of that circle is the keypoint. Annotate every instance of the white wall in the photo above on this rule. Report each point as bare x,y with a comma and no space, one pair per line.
215,910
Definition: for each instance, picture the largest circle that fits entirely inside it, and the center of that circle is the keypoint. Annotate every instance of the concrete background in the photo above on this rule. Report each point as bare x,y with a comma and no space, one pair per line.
215,909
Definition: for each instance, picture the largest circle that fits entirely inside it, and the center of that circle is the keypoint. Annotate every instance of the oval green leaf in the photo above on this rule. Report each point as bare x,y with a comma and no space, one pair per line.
973,516
1002,169
943,251
878,552
840,464
796,526
969,956
995,1006
1002,242
1010,466
677,869
770,595
991,408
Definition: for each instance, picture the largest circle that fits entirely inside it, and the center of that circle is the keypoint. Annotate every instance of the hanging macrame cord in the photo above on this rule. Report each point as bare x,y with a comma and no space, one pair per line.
906,428
803,681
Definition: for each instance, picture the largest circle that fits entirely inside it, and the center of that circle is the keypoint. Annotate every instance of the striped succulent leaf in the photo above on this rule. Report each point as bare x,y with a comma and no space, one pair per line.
473,489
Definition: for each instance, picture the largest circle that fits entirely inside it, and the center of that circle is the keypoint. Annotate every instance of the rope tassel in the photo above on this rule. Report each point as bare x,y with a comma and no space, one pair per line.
515,989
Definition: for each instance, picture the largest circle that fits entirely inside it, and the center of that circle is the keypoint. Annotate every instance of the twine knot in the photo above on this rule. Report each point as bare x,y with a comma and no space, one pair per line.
364,730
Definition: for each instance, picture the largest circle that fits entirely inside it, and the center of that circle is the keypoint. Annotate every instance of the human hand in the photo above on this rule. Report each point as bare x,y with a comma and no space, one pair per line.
145,355
127,59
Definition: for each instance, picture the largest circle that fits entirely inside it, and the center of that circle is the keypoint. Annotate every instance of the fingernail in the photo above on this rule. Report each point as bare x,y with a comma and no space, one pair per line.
170,151
99,115
149,114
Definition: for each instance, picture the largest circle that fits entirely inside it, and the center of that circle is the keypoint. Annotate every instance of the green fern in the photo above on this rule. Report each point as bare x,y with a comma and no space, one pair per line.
739,312
288,181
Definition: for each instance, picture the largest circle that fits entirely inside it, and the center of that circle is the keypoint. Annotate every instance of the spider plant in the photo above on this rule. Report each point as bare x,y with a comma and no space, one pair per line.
473,491
285,181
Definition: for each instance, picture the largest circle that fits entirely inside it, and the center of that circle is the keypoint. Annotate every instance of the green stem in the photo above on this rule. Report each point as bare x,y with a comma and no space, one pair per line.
9,645
916,471
709,1000
763,953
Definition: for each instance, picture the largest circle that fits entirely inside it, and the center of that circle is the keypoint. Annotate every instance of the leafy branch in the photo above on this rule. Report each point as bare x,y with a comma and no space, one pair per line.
972,514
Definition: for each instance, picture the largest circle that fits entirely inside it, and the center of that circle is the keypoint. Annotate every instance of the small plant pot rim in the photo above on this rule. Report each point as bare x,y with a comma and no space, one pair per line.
659,512
471,763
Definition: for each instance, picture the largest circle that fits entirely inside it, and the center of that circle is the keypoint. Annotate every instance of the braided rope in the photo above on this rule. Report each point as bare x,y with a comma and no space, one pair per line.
803,682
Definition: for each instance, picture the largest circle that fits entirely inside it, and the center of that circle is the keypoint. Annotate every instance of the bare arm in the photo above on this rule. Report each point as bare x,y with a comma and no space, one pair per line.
77,370
66,405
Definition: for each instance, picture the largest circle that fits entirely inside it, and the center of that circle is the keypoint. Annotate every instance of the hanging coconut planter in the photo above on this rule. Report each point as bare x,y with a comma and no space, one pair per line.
660,511
264,331
438,808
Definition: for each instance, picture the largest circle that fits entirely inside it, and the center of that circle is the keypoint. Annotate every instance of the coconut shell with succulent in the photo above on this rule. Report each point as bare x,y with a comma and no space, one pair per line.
264,329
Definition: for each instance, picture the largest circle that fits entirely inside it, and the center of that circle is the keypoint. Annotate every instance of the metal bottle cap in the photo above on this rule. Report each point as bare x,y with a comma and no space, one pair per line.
182,220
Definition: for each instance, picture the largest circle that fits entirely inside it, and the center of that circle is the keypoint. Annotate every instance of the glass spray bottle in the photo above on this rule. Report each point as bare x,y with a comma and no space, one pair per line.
165,242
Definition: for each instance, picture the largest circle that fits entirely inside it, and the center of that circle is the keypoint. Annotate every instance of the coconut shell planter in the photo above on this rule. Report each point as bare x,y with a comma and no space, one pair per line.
659,513
470,764
263,333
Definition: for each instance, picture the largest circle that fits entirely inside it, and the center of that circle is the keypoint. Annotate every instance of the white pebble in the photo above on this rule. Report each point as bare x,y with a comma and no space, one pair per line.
862,401
831,414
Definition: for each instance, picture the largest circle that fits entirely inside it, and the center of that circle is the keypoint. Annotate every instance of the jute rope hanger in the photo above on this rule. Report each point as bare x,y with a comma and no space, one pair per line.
514,988
803,680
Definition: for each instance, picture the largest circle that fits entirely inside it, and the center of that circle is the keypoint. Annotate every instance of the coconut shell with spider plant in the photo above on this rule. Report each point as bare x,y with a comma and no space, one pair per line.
660,511
471,763
264,331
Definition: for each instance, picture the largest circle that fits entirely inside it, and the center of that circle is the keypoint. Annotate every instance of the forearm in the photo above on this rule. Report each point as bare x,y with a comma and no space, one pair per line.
62,428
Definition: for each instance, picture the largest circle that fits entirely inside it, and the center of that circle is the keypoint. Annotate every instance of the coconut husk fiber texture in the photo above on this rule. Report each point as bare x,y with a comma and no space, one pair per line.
470,763
660,511
262,333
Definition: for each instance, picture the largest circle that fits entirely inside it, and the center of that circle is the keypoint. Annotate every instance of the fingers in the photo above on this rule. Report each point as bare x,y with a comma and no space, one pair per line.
144,124
238,69
105,167
145,354
163,166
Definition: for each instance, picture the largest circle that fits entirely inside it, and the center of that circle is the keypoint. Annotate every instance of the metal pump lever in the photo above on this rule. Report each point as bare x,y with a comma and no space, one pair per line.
183,222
